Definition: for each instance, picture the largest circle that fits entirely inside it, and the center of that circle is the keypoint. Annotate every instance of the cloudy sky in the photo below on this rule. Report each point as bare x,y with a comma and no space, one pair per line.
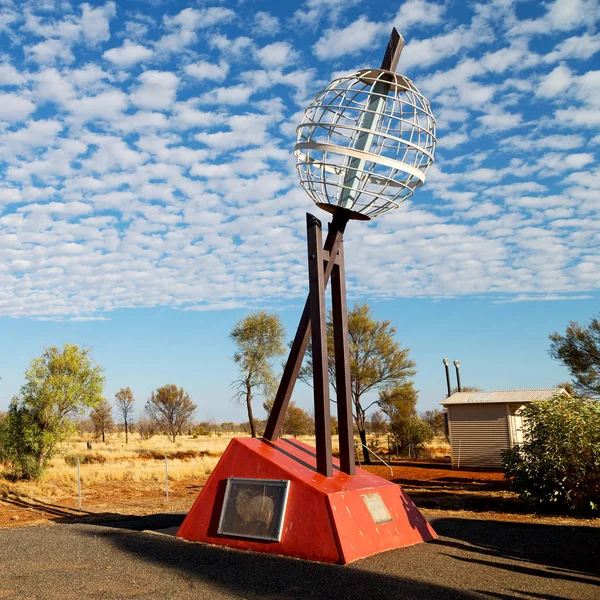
149,196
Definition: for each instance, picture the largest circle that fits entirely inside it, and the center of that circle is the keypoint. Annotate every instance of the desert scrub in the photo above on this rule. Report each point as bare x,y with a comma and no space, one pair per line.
85,459
558,464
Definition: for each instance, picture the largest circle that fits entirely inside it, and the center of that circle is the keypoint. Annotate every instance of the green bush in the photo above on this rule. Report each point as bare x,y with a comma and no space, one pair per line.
85,459
21,443
558,465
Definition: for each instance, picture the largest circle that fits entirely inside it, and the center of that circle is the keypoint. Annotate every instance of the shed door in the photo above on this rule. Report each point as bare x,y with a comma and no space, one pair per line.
481,430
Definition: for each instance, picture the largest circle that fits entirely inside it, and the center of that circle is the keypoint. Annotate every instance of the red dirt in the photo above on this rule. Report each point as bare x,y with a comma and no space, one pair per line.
433,486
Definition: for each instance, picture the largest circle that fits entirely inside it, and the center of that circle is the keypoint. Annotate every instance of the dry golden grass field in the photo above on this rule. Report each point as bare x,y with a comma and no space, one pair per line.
120,479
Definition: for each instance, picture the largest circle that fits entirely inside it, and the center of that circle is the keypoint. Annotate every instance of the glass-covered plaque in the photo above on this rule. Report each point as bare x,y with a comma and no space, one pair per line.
377,508
254,508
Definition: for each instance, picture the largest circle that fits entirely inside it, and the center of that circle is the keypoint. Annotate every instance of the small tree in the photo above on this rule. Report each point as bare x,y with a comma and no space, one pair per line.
399,403
412,433
558,463
259,338
568,387
59,385
124,401
170,407
466,388
579,350
376,361
146,427
436,420
102,419
297,422
21,442
377,425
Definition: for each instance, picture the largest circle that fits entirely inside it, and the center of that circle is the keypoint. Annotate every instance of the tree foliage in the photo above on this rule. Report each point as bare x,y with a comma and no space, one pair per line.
377,424
259,339
59,385
466,388
297,422
171,408
399,403
558,463
377,361
102,419
125,401
436,420
579,350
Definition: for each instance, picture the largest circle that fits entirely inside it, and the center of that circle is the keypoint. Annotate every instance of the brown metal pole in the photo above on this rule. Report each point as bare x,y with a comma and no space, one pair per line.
318,335
342,364
302,338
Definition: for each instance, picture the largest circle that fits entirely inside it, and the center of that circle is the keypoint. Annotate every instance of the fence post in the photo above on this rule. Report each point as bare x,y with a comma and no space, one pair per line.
78,484
167,477
458,465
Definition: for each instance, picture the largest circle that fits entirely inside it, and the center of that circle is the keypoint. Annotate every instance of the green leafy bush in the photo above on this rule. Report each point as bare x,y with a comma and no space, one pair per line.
21,441
559,462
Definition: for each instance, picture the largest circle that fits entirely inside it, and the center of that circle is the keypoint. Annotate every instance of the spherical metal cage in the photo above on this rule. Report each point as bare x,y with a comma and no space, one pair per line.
365,143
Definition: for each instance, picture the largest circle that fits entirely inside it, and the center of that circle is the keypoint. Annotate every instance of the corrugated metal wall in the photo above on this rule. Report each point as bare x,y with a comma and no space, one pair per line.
482,430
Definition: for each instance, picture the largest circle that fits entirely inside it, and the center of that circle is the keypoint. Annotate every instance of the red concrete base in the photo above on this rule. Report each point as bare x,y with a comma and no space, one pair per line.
326,519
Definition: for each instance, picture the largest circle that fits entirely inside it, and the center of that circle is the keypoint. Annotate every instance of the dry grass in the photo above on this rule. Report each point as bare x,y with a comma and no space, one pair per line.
115,461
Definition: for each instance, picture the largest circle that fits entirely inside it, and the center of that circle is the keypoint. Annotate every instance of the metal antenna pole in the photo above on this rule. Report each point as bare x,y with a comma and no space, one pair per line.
370,119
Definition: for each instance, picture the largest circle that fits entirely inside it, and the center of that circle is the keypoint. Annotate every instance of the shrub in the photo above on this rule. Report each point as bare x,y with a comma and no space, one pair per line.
559,462
85,459
411,434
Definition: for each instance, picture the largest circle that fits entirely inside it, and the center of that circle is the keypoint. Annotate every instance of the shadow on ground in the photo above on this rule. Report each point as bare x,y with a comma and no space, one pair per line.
554,551
568,553
253,575
58,513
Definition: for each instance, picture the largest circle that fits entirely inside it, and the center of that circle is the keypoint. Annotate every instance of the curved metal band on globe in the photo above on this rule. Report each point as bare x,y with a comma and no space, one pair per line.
372,208
366,156
384,135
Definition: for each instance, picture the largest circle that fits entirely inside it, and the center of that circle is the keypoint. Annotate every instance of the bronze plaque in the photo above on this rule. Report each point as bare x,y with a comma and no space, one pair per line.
377,508
254,508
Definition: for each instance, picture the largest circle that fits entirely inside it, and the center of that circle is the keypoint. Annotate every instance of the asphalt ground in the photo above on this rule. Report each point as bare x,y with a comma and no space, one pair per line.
472,559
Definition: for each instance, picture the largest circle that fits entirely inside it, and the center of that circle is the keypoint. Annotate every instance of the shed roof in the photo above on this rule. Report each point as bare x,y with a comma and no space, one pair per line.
502,396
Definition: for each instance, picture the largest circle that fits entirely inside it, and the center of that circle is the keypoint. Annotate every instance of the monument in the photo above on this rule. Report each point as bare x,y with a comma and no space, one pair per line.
364,145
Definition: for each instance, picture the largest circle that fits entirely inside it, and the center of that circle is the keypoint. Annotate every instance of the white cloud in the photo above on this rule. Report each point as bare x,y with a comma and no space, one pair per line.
14,107
183,27
555,82
561,15
128,54
237,94
581,47
106,105
418,12
354,38
124,191
95,22
49,51
9,75
265,23
276,55
157,90
206,70
500,121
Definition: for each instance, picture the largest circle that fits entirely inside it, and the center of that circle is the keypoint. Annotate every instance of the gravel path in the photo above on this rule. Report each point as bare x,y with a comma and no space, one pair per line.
473,559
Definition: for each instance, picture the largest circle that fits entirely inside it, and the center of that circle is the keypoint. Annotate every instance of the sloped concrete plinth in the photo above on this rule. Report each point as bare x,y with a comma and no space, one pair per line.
326,520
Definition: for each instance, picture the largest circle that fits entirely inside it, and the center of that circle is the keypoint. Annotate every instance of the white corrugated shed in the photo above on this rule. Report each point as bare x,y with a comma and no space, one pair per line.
502,396
483,424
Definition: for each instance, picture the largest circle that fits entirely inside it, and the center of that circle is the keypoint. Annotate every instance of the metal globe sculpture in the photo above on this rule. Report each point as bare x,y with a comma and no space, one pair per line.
365,143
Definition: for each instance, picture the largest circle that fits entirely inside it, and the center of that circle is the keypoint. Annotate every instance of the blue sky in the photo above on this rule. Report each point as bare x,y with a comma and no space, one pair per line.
149,198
